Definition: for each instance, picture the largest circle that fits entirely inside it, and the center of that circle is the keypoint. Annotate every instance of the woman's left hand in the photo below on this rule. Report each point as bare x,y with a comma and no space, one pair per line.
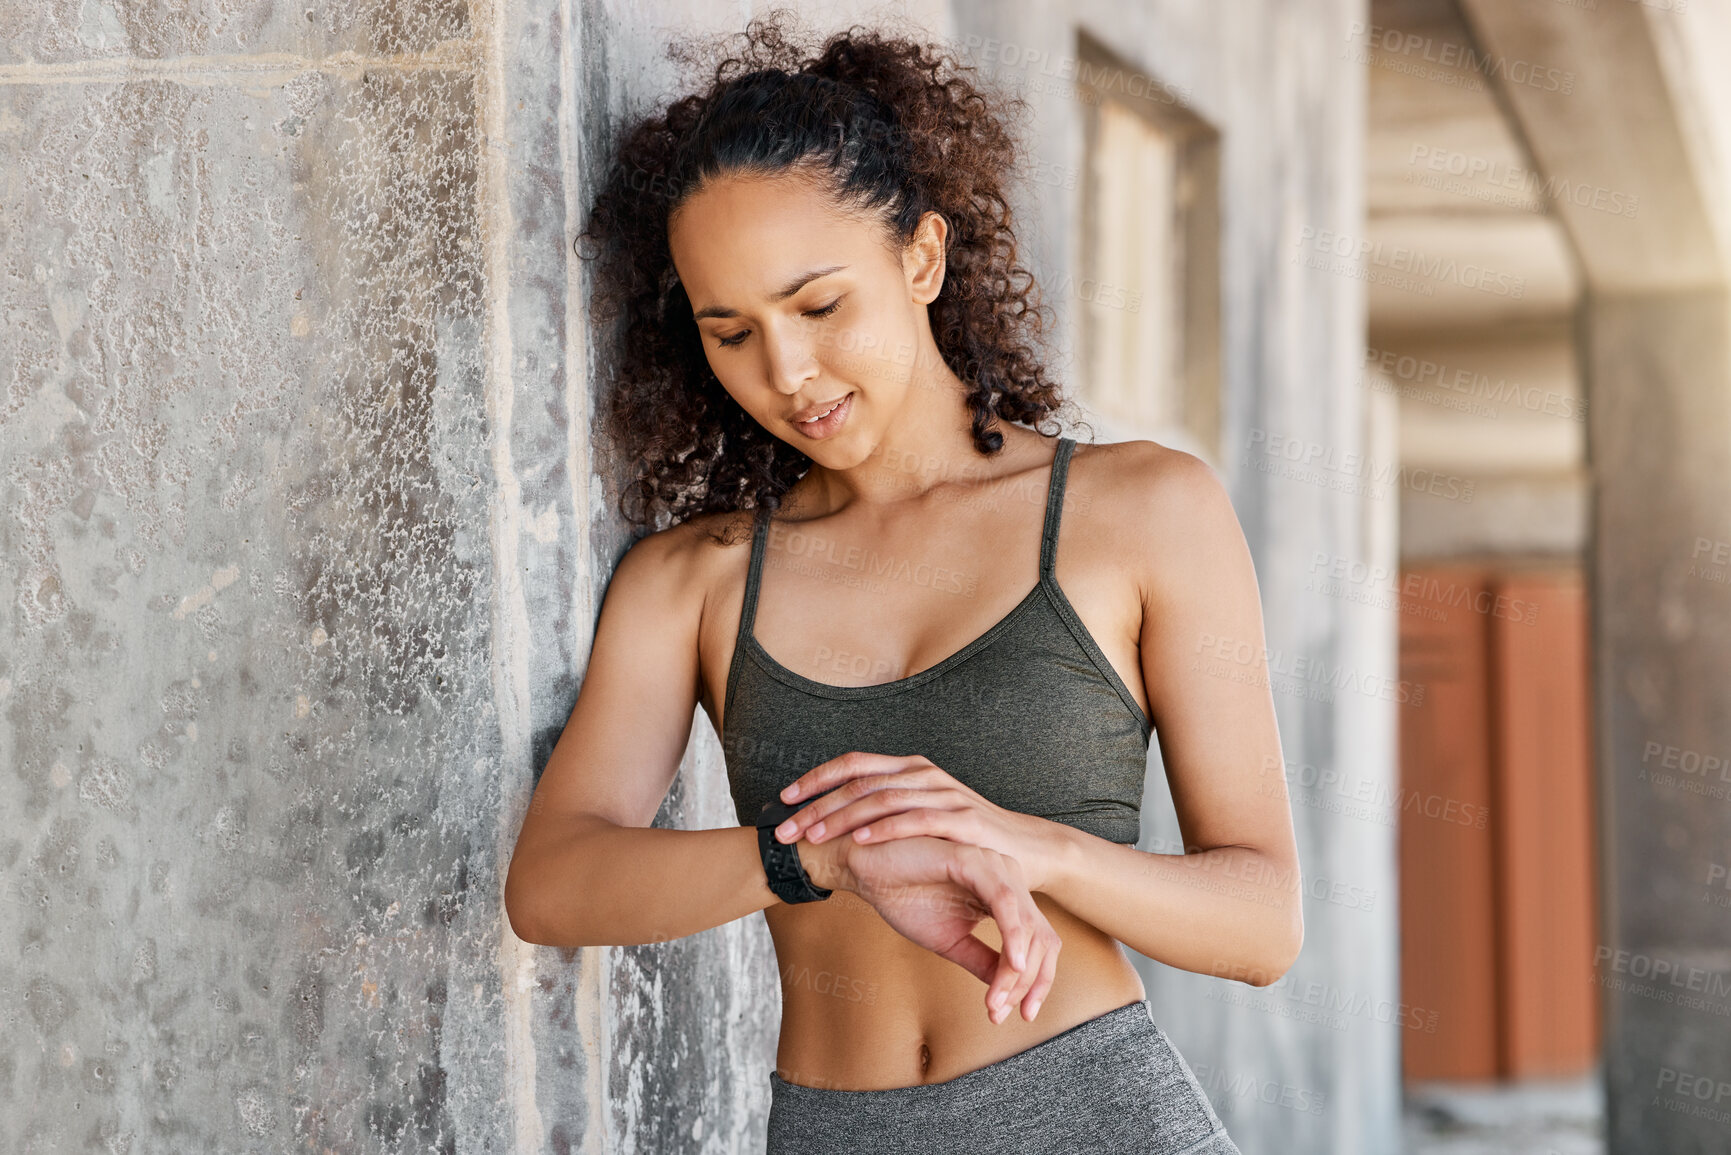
878,797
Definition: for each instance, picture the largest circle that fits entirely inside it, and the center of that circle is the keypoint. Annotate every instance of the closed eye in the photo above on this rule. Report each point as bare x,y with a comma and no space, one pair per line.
819,314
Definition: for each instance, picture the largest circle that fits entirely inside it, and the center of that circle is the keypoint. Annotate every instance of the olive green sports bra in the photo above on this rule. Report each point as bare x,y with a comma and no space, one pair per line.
1030,714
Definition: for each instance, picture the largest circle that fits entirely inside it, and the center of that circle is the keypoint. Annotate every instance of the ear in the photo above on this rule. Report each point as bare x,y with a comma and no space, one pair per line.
923,258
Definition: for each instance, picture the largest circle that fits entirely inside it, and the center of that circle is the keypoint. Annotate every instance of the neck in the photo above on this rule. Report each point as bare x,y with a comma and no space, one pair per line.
928,445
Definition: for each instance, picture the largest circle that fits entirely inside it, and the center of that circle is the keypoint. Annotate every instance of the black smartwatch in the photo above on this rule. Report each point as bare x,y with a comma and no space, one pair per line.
781,864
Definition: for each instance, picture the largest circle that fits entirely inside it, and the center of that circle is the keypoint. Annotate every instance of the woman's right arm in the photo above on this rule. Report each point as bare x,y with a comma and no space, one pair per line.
588,869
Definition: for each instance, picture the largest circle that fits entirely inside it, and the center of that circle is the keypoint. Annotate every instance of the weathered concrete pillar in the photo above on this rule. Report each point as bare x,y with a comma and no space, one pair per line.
1659,373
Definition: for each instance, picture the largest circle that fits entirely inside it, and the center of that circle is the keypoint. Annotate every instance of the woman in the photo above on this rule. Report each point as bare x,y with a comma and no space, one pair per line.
931,632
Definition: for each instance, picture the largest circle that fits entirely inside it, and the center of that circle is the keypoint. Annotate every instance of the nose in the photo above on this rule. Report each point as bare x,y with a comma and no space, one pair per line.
788,359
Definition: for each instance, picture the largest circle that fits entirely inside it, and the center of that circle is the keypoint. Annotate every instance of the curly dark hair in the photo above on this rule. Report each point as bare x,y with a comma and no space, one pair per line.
893,127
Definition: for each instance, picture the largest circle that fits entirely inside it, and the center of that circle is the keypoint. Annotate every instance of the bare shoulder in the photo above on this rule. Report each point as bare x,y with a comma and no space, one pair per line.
686,565
1166,511
1139,480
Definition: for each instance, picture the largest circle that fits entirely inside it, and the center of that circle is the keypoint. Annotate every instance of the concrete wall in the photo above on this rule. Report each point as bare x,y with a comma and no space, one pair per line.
273,281
302,536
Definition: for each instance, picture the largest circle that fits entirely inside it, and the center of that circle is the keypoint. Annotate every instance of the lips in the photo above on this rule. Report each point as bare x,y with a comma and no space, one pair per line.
824,418
813,412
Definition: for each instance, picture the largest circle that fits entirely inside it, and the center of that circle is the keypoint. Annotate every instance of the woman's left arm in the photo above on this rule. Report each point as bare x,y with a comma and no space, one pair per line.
1232,904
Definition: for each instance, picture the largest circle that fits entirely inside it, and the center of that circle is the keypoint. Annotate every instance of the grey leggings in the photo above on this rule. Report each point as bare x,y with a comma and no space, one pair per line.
1114,1085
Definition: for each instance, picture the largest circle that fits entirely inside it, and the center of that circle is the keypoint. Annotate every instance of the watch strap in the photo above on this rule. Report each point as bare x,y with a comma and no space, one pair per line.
781,865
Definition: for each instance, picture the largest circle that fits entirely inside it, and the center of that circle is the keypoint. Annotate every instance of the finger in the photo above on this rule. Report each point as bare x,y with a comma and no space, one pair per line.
1042,985
859,802
980,872
973,955
1013,960
1025,916
984,872
1027,975
842,767
996,879
1022,947
997,991
1042,967
955,816
925,773
1002,981
868,800
906,822
797,824
830,811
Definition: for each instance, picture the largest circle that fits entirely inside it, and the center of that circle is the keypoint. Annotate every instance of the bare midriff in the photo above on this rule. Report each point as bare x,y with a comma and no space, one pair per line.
864,1009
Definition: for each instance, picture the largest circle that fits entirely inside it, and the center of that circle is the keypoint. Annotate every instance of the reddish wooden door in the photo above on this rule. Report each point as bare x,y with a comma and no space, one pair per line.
1448,950
1497,859
1543,808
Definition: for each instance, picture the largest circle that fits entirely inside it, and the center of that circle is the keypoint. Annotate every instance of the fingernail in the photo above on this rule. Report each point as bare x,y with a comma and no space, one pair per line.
786,829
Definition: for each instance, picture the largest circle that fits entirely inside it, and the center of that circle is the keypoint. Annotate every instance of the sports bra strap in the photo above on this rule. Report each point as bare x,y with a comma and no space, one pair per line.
753,575
1055,506
1048,537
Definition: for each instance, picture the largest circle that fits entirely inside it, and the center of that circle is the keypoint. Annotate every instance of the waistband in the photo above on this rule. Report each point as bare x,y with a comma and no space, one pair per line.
1130,1021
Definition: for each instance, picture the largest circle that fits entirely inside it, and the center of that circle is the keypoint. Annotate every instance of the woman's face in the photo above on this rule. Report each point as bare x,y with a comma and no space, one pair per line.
804,309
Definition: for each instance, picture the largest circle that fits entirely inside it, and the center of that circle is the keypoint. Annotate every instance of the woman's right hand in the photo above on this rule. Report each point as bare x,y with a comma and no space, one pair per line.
934,892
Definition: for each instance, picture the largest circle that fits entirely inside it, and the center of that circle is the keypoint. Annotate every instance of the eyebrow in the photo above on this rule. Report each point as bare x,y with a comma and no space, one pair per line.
782,294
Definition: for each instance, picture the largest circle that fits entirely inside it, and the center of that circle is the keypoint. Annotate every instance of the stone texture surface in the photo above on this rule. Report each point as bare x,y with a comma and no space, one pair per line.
250,743
86,31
